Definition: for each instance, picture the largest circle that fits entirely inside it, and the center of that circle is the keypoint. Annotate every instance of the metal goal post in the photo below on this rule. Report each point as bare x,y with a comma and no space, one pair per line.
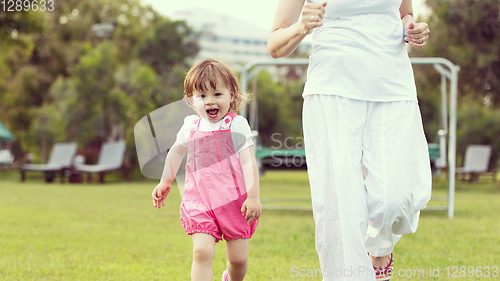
448,121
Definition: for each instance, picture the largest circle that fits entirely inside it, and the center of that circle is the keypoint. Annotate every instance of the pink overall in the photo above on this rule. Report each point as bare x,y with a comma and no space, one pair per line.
215,188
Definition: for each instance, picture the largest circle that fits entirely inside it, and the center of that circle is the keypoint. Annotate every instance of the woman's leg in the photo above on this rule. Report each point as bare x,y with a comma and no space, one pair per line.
333,131
237,258
203,254
380,262
398,180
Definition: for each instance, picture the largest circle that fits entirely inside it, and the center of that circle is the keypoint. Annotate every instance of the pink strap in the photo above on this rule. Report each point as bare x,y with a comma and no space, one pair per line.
232,114
227,122
196,123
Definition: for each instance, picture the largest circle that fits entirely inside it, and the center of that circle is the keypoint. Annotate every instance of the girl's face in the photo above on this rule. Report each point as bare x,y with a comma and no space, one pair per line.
213,104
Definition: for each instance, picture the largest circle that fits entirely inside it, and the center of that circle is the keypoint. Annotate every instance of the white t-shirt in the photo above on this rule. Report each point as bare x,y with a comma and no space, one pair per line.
359,53
240,131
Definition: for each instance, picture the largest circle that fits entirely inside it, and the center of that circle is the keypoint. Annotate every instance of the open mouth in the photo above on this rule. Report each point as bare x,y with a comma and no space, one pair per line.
212,113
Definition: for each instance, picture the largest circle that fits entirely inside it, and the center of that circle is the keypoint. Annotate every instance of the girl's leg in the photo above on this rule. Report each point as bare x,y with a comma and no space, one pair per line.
237,258
203,254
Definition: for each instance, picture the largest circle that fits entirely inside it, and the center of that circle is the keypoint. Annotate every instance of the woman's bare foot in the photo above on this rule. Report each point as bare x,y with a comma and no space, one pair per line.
380,262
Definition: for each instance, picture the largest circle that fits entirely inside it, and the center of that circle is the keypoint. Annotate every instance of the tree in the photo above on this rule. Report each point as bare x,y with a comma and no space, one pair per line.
169,44
466,33
17,44
61,82
279,110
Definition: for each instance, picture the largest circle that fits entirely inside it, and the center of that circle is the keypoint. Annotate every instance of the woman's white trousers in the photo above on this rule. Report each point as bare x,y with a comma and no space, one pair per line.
369,172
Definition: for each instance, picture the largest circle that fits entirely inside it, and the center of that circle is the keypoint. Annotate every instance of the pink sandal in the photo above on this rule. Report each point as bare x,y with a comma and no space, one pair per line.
225,275
384,274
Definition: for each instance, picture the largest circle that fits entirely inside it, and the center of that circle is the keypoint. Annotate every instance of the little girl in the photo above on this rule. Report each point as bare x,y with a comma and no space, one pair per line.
221,194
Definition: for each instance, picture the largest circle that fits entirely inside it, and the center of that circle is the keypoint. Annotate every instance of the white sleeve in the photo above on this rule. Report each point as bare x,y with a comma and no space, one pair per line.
242,134
248,143
183,134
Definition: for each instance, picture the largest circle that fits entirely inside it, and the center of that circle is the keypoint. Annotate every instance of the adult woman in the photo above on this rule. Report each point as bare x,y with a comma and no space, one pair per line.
366,151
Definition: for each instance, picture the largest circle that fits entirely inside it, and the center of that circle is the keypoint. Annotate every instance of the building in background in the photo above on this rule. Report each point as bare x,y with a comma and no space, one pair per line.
228,38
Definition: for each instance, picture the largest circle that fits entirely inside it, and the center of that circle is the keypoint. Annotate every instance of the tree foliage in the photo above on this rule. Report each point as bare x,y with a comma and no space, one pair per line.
279,109
62,82
478,124
466,33
167,45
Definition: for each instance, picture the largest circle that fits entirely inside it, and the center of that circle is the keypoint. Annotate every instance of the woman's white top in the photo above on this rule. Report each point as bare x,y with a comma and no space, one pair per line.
359,53
240,131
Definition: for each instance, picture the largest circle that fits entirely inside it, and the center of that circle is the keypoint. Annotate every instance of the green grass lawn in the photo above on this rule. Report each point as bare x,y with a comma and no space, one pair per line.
112,232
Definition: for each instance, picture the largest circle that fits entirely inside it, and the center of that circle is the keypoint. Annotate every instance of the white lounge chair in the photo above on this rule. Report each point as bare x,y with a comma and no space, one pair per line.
6,158
61,159
476,161
110,160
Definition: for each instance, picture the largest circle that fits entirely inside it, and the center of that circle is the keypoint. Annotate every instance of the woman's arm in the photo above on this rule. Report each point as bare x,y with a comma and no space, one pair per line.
406,11
417,34
292,22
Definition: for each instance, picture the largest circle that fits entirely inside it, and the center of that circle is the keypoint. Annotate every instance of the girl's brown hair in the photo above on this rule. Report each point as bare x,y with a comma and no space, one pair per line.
209,72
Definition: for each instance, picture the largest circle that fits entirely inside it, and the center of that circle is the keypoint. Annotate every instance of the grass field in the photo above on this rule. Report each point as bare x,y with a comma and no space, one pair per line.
112,232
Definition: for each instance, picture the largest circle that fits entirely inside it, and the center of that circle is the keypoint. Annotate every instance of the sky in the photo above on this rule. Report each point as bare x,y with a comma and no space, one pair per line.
257,12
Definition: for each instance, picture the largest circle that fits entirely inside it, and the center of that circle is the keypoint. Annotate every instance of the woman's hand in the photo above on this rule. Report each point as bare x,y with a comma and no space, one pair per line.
253,209
417,34
160,193
311,16
292,22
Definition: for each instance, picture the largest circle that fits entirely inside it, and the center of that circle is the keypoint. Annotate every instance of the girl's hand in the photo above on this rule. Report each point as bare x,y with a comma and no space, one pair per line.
253,209
160,193
311,17
417,34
